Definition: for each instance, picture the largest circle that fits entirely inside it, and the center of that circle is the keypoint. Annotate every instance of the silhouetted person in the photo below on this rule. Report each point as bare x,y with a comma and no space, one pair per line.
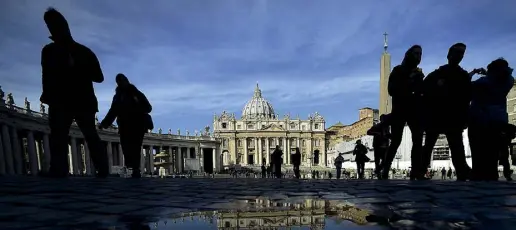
338,164
405,86
447,89
488,117
277,160
131,110
264,168
381,134
296,161
443,173
361,158
69,70
508,133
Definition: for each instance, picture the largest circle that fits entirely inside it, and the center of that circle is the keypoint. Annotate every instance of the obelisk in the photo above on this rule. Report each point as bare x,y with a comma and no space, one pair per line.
385,71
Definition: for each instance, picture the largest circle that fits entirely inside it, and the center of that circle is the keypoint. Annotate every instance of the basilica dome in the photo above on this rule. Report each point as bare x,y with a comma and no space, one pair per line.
258,107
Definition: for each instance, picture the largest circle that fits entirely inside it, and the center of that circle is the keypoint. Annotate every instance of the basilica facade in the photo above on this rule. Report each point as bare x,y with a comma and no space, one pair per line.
250,140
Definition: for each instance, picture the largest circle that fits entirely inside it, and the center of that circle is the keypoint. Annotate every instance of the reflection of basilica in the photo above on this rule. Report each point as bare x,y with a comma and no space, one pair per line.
267,214
248,140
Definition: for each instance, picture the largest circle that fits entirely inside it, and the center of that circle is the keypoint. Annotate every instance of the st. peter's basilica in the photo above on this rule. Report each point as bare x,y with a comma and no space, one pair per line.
253,137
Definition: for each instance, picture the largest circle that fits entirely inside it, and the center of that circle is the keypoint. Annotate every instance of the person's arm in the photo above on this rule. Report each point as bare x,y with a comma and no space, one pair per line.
111,115
373,130
94,67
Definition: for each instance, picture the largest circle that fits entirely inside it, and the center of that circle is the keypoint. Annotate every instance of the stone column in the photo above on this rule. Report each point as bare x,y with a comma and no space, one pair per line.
170,159
267,151
33,159
142,159
16,148
6,153
244,161
179,160
38,153
87,160
299,146
260,151
46,153
121,155
74,155
151,159
285,153
110,156
256,151
187,153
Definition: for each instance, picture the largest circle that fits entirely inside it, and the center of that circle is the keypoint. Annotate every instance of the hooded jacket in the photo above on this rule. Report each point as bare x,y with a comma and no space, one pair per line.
446,93
489,100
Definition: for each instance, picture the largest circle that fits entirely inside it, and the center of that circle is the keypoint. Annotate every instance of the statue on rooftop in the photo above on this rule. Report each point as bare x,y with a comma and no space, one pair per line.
27,104
160,131
10,99
178,131
41,108
169,131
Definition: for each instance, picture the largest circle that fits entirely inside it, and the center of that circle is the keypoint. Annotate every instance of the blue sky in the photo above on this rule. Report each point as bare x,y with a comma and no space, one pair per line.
194,58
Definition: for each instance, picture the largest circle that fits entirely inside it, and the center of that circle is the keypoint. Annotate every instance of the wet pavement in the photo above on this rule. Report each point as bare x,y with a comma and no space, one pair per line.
152,203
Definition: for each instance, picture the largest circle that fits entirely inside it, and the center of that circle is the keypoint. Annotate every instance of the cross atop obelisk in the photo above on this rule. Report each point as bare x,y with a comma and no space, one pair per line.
385,46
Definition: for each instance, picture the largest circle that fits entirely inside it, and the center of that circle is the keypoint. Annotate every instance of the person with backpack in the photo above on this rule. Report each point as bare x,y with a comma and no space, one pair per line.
446,95
131,110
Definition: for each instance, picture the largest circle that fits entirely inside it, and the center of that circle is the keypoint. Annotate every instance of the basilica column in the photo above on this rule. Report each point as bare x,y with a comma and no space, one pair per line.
87,159
2,157
33,159
285,154
257,151
267,151
288,151
299,146
187,153
110,156
260,152
46,153
179,160
74,155
7,154
151,159
120,155
245,152
16,150
171,160
142,159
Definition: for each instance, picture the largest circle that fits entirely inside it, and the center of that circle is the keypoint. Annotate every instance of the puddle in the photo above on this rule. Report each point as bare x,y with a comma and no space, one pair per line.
301,213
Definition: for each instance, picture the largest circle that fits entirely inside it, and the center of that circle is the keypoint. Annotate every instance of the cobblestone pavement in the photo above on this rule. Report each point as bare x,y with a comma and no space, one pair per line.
89,203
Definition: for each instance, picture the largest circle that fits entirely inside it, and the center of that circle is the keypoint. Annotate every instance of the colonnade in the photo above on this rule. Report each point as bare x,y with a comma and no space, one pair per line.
25,146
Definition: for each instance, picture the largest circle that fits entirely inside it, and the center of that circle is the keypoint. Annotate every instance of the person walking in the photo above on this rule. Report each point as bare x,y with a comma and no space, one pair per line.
361,158
68,72
447,89
381,135
405,88
277,160
131,110
296,161
338,165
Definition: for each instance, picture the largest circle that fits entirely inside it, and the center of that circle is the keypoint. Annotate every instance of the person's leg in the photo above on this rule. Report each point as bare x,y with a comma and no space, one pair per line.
458,154
86,122
339,171
417,148
397,127
476,143
362,169
131,141
430,140
59,119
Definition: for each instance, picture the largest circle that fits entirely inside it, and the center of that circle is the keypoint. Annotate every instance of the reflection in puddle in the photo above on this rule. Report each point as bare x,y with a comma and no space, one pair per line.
269,214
